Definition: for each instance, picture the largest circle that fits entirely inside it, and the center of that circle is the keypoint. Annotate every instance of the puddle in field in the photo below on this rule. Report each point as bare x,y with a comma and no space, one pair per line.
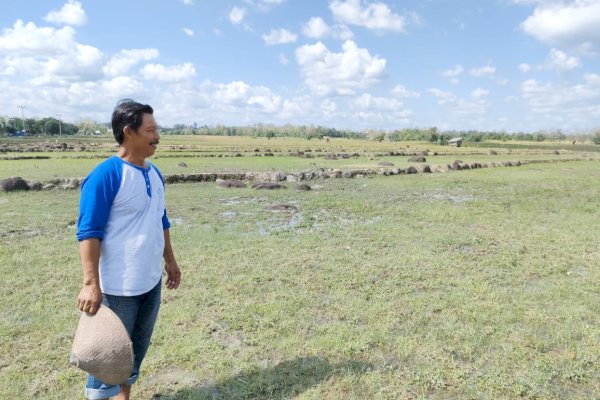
234,201
291,223
21,233
231,202
177,221
455,198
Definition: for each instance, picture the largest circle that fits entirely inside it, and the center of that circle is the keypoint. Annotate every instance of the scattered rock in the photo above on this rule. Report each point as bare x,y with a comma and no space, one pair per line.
70,184
385,164
283,207
417,159
265,176
232,183
455,166
13,184
35,185
493,153
268,186
182,165
304,187
412,170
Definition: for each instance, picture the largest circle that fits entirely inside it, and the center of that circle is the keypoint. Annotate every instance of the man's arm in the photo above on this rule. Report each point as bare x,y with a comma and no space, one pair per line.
90,296
171,267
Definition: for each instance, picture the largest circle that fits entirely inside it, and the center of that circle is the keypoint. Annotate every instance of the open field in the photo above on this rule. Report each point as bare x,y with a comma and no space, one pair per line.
479,284
247,154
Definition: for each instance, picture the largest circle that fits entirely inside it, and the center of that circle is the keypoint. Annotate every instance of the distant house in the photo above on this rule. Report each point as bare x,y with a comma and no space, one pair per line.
457,142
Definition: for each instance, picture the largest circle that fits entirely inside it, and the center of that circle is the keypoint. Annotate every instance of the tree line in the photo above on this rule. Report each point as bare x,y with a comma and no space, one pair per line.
53,126
48,126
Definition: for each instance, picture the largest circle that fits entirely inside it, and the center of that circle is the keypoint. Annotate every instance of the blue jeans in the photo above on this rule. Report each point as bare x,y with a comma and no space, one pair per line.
138,314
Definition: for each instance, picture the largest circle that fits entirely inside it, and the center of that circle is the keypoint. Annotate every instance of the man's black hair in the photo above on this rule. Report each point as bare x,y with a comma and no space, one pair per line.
128,113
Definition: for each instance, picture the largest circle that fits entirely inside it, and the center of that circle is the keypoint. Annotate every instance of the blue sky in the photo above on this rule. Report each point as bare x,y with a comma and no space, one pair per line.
514,65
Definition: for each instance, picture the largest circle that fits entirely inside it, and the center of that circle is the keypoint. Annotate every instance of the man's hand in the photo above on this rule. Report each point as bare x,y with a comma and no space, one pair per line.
90,298
173,275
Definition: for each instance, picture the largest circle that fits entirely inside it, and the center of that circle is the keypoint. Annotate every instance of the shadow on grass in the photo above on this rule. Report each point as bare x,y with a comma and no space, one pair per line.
282,381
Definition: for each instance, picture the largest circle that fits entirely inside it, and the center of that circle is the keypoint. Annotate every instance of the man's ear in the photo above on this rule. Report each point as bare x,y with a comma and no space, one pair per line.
127,132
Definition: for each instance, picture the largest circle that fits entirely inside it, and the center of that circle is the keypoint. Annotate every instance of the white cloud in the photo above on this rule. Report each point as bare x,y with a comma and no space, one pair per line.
175,73
47,56
483,71
238,95
375,16
574,24
237,15
402,92
592,79
524,67
232,93
265,100
375,111
327,73
479,93
316,28
83,62
279,36
454,72
329,107
566,106
70,14
442,96
121,62
562,62
29,40
264,5
123,86
369,102
283,60
188,31
188,2
462,107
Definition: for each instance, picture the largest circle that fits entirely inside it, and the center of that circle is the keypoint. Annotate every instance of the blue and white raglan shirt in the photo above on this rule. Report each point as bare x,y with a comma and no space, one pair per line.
123,205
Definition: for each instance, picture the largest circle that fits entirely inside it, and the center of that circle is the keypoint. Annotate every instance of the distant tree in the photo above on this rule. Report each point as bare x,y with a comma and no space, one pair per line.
379,137
596,138
51,127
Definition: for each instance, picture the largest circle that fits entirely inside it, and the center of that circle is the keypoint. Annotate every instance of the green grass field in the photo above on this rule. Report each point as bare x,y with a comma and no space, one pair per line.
478,284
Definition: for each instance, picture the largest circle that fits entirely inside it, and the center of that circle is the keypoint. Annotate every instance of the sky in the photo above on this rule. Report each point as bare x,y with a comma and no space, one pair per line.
499,65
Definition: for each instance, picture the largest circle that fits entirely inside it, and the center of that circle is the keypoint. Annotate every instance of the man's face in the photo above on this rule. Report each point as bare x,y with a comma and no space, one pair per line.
146,138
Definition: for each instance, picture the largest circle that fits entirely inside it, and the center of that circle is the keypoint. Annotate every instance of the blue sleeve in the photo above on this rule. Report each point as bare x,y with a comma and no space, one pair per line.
165,219
98,192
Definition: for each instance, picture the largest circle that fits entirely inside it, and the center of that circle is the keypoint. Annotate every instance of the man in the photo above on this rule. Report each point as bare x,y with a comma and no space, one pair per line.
123,232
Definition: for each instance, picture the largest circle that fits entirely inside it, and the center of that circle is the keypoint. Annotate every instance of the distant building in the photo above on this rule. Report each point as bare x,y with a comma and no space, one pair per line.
457,142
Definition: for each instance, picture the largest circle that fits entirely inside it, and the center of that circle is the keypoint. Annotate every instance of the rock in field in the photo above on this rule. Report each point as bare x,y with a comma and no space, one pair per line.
231,183
267,186
13,184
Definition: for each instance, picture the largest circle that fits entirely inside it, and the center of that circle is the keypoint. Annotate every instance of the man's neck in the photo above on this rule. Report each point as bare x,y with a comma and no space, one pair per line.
131,158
